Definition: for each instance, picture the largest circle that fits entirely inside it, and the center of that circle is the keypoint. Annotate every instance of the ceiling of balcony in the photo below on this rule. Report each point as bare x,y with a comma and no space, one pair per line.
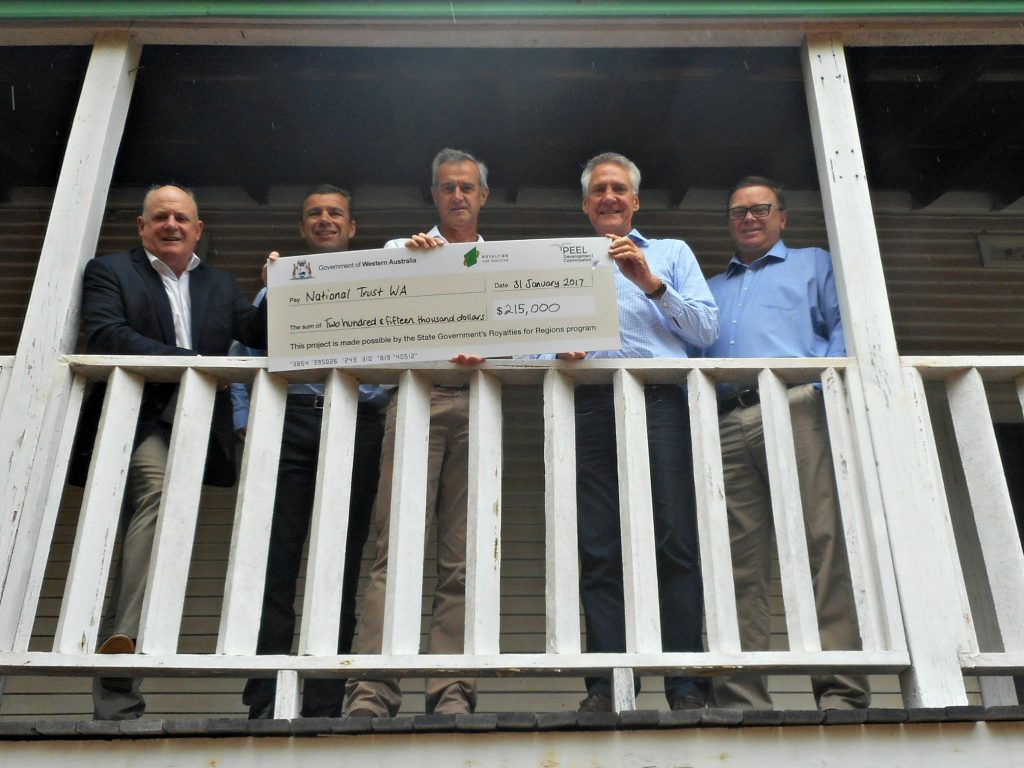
932,120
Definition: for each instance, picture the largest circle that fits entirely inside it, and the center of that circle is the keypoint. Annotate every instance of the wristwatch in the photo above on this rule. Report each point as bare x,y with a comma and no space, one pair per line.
658,292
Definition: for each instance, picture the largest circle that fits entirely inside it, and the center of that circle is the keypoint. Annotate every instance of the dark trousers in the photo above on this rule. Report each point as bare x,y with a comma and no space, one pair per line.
293,508
675,528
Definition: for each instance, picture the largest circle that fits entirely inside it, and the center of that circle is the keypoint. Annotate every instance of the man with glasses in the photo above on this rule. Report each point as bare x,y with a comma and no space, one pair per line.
776,301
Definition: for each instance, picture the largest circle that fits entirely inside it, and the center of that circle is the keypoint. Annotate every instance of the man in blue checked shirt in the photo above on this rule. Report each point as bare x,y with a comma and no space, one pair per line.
777,301
664,304
326,225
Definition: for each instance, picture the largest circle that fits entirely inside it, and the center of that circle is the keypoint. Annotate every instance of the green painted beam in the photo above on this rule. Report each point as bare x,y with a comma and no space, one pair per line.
481,9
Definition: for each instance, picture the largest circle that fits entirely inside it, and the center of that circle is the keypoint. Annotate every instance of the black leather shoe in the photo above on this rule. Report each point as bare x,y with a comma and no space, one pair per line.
687,702
596,702
262,711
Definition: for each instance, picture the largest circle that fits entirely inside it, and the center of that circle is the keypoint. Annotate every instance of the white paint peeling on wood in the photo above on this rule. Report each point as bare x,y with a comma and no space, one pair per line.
623,690
179,509
920,555
883,596
286,695
990,501
723,632
254,510
328,530
407,527
65,440
483,535
636,516
98,521
32,411
963,632
561,570
788,514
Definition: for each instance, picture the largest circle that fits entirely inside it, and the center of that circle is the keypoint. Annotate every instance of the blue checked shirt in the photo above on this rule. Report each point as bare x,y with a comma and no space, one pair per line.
686,312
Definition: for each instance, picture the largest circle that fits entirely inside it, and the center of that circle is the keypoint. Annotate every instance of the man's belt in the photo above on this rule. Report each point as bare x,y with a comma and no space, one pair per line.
316,402
745,398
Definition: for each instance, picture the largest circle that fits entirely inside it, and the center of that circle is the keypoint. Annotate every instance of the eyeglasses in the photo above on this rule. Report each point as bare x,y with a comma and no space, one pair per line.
759,211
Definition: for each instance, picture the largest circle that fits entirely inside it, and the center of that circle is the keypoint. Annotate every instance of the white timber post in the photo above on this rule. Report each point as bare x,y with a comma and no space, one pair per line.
928,592
561,557
33,410
483,534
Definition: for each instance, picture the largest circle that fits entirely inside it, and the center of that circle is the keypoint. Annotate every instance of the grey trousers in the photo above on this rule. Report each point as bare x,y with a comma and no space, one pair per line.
119,698
752,532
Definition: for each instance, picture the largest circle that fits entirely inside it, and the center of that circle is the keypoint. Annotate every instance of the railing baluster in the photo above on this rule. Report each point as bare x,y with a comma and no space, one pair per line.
286,695
82,606
712,516
623,690
990,500
966,639
848,473
636,517
254,510
33,586
328,532
483,535
884,594
179,509
790,532
561,568
404,590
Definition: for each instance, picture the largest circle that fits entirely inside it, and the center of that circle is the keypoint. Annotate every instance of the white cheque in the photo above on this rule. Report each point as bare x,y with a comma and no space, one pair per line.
513,297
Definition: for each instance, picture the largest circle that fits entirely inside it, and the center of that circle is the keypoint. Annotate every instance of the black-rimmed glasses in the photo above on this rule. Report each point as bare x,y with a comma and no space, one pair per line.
758,211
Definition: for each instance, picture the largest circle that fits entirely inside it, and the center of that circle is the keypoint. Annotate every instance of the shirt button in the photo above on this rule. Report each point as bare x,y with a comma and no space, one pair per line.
732,341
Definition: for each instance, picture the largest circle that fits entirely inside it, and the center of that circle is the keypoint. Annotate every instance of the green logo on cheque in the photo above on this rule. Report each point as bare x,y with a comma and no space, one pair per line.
469,260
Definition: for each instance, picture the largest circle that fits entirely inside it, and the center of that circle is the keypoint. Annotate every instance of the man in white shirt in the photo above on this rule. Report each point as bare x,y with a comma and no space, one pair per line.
159,299
459,189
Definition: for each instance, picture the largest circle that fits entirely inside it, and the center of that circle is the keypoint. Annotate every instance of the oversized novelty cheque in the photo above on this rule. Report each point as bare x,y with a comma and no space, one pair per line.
403,305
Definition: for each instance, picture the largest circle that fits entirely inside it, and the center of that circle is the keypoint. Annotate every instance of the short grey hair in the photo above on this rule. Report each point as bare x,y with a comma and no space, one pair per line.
616,159
448,155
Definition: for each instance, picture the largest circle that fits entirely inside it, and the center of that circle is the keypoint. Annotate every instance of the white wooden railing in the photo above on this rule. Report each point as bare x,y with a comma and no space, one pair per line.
867,538
962,396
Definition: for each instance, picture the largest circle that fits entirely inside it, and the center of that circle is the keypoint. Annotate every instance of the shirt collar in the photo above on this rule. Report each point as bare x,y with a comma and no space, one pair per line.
436,232
163,269
777,252
636,237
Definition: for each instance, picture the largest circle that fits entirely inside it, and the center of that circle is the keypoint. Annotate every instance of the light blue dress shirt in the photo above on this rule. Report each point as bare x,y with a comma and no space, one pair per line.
783,305
368,393
685,313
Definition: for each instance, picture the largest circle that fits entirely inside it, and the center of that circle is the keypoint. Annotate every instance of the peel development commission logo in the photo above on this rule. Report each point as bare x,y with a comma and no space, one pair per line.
573,253
302,270
471,258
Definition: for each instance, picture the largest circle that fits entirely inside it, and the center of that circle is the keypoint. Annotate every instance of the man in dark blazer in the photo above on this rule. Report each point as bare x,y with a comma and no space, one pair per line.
158,300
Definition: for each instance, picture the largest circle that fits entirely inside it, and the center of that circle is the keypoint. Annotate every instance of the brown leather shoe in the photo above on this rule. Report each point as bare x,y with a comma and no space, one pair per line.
117,644
596,702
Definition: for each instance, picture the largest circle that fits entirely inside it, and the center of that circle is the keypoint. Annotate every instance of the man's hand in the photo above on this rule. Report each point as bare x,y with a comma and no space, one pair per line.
571,355
271,257
632,263
468,360
423,241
